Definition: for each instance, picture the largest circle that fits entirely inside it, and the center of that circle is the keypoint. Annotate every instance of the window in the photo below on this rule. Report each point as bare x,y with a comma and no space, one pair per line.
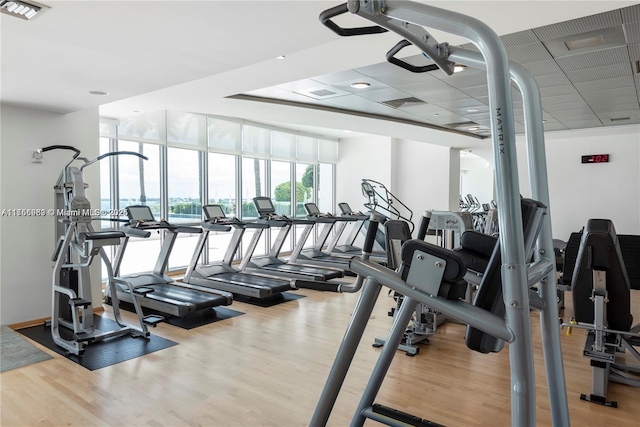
253,185
242,160
281,195
138,179
325,191
183,185
139,184
222,181
222,191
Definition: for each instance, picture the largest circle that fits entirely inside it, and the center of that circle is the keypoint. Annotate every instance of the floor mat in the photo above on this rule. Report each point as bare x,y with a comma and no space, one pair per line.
16,352
103,353
193,320
268,302
203,317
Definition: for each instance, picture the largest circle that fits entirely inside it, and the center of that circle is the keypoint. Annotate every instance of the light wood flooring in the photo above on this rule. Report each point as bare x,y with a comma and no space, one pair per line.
267,368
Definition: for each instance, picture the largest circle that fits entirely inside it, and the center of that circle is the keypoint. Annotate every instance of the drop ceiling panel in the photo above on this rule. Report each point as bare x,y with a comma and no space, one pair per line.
575,115
594,95
553,80
564,106
611,101
634,52
521,37
401,77
578,26
424,110
528,53
464,103
617,82
600,73
385,94
615,111
582,124
444,95
632,121
631,14
633,114
379,69
554,126
633,32
299,85
540,68
427,84
562,99
556,90
480,93
354,102
342,77
468,78
617,55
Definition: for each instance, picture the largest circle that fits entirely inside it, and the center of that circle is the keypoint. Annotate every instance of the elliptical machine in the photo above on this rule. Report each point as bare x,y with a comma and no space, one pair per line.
77,245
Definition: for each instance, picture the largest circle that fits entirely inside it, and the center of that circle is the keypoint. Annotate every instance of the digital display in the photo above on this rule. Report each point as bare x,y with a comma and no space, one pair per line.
595,158
139,213
213,211
312,209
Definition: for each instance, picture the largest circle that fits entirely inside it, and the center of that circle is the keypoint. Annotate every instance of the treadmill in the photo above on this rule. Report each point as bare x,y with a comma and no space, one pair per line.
222,274
359,221
315,255
272,262
155,290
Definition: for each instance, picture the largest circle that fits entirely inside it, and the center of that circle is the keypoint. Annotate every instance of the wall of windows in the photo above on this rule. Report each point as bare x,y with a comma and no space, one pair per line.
195,159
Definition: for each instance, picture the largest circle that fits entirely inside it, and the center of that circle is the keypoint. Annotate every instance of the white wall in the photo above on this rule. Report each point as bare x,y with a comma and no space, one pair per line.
27,242
361,157
579,191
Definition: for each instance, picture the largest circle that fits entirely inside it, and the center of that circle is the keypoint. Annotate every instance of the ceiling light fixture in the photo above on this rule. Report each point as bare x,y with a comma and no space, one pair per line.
472,128
472,110
280,57
360,85
98,92
459,67
22,9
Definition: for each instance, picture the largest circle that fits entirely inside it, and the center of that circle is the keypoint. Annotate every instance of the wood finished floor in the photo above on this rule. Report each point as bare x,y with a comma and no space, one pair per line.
267,368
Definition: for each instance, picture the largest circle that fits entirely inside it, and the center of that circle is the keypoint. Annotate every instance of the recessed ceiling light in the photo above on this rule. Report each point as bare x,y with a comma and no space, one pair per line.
22,9
346,131
459,67
472,110
98,92
280,57
544,121
474,128
360,85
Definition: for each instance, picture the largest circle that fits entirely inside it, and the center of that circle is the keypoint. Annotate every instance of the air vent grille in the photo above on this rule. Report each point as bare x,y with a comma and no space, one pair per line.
322,92
619,119
403,102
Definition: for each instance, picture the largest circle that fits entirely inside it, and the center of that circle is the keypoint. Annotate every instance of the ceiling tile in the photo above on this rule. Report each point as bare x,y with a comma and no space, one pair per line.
612,110
340,77
384,94
468,78
552,80
575,115
478,92
617,82
298,85
633,32
421,110
633,114
562,99
610,101
426,85
617,55
592,95
578,26
631,14
400,77
554,126
464,103
631,121
444,95
582,124
540,68
519,38
528,53
379,69
557,90
599,73
564,106
634,52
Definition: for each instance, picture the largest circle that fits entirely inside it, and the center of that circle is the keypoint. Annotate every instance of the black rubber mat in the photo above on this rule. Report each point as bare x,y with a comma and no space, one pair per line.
268,302
193,320
203,317
102,353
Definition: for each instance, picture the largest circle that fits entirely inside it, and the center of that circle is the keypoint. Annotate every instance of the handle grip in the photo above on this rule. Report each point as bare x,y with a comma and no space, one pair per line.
325,19
370,238
400,63
61,147
117,153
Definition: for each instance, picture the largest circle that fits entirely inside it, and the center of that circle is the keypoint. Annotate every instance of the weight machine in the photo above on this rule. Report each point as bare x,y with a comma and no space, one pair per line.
429,270
77,245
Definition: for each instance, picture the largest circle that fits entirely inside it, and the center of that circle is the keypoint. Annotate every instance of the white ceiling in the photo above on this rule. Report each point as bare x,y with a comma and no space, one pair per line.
190,55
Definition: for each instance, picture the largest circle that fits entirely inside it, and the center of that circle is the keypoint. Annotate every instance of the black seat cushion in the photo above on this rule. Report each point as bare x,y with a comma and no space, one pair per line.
599,250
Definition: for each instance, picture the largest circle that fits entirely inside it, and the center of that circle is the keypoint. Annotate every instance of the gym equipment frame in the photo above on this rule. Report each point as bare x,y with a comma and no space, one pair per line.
409,19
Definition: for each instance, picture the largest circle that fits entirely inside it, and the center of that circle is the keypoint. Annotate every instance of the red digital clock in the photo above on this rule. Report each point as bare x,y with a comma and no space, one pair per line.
596,158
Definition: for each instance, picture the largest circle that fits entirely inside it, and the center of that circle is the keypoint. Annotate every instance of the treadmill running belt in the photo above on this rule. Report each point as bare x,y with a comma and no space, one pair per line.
199,299
252,281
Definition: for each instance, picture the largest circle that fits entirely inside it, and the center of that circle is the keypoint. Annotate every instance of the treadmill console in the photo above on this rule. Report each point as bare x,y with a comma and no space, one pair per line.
140,216
213,212
345,209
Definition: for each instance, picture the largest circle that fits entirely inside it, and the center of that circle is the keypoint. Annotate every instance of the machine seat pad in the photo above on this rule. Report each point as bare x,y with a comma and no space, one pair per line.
108,234
454,270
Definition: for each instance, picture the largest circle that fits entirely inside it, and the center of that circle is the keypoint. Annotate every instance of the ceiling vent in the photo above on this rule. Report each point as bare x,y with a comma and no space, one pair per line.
22,9
403,102
586,42
463,125
322,92
619,119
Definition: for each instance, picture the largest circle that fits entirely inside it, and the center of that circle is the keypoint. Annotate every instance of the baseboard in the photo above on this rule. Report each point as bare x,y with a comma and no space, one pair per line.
35,322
